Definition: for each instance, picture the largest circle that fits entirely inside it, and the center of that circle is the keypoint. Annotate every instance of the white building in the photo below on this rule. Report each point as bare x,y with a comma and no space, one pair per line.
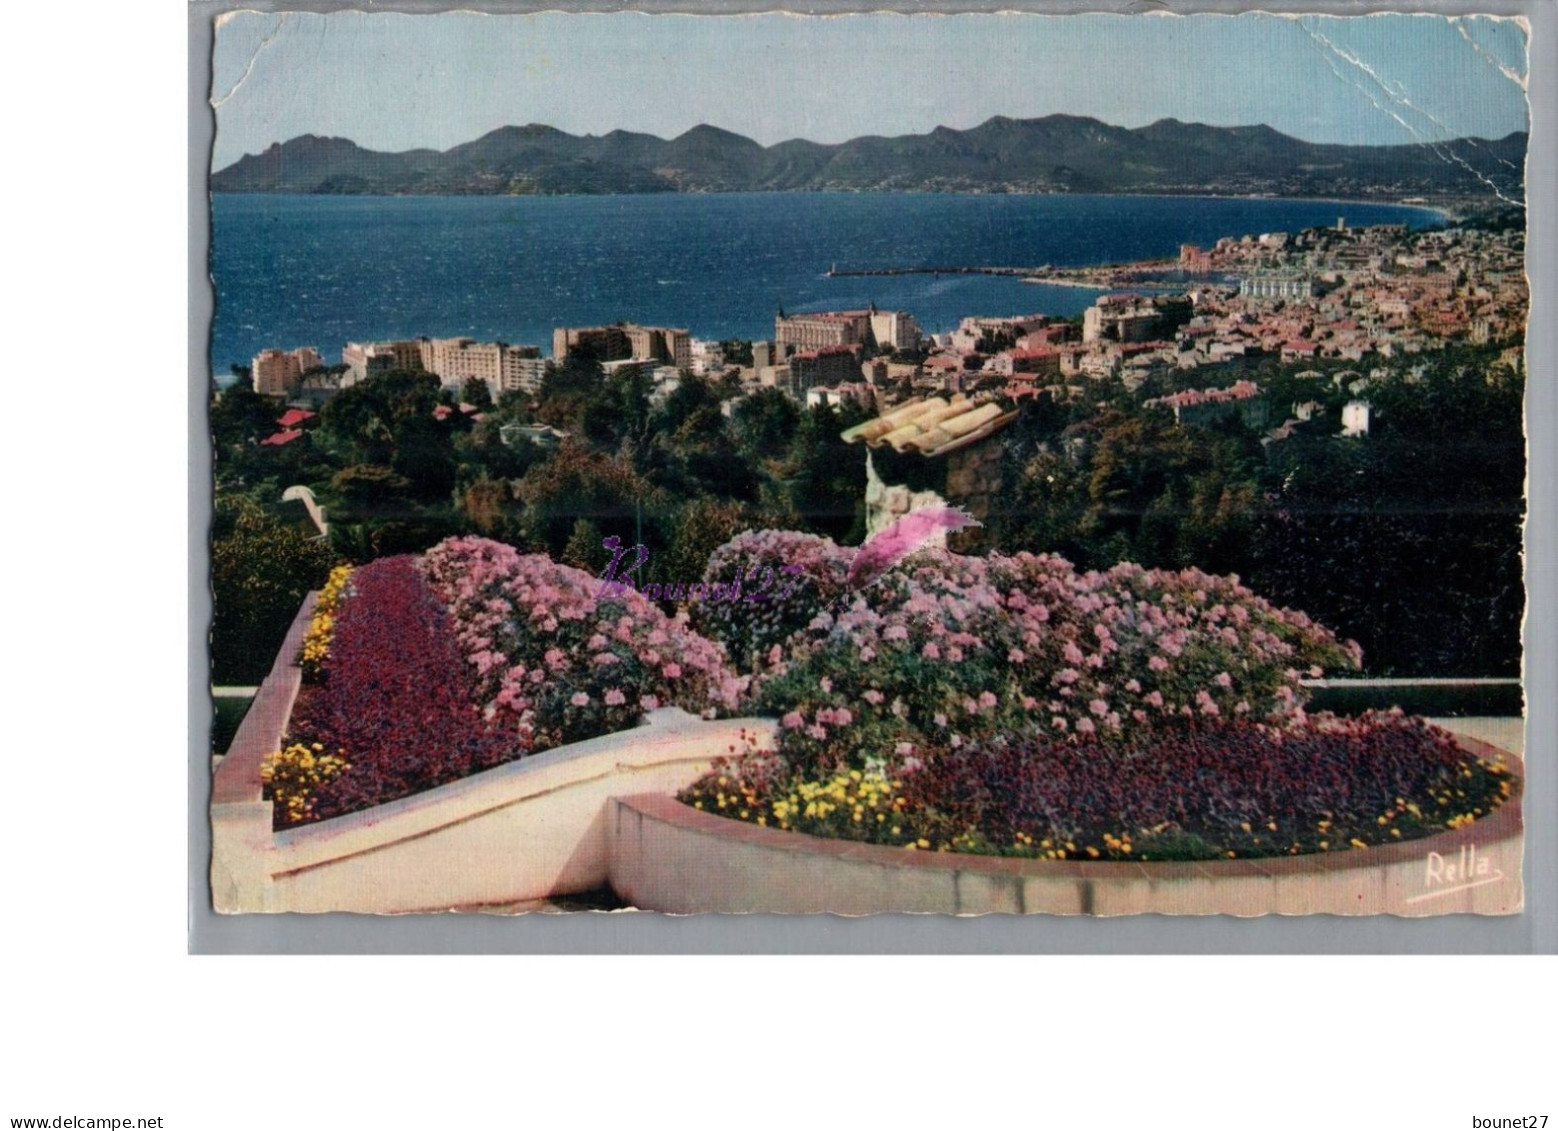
895,328
1355,418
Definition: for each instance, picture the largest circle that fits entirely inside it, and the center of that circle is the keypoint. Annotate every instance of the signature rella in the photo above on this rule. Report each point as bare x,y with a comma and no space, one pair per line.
919,529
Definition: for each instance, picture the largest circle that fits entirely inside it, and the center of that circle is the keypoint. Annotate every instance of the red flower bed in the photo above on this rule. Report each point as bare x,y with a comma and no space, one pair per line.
398,699
1221,791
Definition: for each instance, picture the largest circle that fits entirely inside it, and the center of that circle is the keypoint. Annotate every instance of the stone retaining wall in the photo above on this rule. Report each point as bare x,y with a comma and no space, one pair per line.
671,857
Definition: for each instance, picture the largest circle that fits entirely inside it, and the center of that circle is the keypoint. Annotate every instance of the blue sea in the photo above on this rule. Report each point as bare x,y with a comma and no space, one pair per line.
323,270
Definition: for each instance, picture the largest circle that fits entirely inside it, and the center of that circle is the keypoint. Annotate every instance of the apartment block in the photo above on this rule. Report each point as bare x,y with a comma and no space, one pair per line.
500,366
366,359
624,341
277,372
833,365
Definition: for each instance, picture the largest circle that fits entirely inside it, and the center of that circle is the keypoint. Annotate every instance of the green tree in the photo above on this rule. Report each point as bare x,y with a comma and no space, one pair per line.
486,504
766,422
475,392
261,568
825,478
566,390
583,549
1042,511
367,488
1409,539
616,411
580,483
367,421
702,526
240,416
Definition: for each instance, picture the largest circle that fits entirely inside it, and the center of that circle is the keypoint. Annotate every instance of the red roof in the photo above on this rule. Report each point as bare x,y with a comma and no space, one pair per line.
1238,391
281,438
294,416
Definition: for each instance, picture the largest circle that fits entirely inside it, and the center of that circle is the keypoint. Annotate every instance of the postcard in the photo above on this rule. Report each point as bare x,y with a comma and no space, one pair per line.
958,464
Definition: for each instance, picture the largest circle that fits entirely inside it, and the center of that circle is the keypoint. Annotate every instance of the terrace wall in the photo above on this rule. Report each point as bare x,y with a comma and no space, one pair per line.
671,857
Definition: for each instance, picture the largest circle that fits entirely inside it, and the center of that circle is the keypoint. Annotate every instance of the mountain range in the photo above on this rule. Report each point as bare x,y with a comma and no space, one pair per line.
1054,154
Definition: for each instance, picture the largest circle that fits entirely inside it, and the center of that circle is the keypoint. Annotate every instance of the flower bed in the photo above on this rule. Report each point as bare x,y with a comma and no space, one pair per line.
950,649
316,641
774,605
1006,705
423,671
1013,705
1223,791
393,712
557,661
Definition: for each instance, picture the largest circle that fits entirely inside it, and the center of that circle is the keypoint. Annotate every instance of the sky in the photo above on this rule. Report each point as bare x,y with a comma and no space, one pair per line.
395,82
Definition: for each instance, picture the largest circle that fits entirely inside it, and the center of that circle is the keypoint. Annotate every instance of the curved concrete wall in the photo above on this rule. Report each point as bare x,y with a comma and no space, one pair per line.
671,857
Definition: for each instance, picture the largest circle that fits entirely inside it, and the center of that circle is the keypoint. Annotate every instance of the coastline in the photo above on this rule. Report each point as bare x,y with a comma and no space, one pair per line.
1447,212
1075,266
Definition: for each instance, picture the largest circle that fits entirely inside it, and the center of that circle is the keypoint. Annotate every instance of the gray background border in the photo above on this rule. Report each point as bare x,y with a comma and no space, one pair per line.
1536,930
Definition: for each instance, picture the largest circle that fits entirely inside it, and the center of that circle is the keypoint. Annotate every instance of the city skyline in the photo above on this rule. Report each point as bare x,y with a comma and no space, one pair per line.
389,83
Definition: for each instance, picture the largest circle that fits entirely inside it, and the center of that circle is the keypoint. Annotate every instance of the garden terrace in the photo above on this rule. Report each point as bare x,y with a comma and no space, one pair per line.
602,812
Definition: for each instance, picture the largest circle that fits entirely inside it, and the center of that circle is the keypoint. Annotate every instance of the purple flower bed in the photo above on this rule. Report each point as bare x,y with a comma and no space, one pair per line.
398,701
1218,790
1222,790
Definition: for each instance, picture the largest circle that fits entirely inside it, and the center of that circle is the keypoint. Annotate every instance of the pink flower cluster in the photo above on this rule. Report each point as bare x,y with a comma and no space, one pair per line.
561,664
948,648
752,627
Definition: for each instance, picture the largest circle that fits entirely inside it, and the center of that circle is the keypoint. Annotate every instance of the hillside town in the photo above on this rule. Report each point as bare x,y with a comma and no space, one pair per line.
1360,296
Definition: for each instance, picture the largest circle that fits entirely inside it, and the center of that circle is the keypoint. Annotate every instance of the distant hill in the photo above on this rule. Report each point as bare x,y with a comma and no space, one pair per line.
1058,154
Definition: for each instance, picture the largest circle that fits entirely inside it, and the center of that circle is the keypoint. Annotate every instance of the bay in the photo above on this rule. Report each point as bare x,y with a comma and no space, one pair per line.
322,270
